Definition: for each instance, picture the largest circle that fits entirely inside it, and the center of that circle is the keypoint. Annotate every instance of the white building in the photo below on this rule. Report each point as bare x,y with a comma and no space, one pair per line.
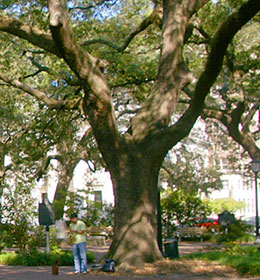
235,187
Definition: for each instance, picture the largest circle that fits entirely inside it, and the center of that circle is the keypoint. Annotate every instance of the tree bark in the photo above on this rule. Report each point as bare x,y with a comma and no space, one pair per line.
136,186
62,187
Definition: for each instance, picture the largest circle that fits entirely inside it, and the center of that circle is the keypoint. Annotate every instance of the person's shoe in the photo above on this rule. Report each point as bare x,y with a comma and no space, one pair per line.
76,273
85,273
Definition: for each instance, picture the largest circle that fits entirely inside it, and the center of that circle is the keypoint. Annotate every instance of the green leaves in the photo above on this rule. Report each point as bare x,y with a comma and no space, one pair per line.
229,204
181,208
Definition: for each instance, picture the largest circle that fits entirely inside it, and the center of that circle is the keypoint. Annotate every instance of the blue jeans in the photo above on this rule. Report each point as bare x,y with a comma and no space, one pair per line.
80,257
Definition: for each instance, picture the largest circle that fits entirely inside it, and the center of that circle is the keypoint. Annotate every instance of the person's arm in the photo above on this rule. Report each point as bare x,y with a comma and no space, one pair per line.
70,230
80,231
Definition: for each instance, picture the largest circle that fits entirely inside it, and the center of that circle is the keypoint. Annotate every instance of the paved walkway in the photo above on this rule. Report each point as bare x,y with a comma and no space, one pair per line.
66,273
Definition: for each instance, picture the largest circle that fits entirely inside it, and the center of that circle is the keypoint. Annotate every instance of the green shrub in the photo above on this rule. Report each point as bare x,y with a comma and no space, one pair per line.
29,241
235,232
41,259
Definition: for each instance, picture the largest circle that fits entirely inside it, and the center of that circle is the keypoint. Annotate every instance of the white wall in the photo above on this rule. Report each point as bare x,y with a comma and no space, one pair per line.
235,187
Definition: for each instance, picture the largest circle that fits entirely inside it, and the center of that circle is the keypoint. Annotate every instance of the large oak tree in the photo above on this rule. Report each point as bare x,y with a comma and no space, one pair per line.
132,155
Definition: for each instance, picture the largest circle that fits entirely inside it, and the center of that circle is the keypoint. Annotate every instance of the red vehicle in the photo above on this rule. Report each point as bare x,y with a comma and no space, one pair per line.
208,223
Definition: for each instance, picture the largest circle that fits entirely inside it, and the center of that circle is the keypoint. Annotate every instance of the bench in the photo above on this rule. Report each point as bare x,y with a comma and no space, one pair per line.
98,236
191,232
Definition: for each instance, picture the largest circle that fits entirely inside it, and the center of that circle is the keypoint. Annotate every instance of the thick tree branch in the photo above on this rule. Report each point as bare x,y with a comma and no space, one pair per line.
173,73
97,102
219,46
33,35
250,115
46,163
84,65
40,95
220,42
156,16
232,121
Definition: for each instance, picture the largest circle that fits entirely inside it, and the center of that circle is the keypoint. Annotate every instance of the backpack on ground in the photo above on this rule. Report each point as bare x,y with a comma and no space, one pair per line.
109,266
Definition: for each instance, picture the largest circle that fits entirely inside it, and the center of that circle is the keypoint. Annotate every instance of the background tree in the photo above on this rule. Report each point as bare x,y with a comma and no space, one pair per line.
18,214
236,104
222,204
187,179
68,153
132,154
182,208
187,166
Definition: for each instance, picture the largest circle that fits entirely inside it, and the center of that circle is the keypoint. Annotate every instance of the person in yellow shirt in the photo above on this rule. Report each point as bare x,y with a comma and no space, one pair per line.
79,244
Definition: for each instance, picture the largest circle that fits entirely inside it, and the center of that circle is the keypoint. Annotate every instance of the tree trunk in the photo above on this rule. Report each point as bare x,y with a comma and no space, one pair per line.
61,192
68,164
136,196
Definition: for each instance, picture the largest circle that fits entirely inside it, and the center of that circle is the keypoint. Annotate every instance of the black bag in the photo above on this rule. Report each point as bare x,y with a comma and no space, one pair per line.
109,266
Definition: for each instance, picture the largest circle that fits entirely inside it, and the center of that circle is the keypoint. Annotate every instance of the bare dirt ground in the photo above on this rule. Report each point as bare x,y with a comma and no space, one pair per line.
179,268
184,248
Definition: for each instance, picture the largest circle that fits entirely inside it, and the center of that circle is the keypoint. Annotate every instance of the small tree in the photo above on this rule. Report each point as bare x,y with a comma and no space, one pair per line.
181,208
95,213
19,215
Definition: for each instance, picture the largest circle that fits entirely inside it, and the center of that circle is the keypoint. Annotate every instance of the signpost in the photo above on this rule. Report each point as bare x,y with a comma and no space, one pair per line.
46,218
225,219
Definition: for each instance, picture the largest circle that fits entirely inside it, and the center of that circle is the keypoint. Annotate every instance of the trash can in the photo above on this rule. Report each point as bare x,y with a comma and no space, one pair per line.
171,249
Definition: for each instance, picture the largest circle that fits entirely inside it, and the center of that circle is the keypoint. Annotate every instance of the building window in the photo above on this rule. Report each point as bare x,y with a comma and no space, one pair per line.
98,196
225,184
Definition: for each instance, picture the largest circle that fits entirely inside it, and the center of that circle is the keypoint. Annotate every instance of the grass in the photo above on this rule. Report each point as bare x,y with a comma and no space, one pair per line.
244,259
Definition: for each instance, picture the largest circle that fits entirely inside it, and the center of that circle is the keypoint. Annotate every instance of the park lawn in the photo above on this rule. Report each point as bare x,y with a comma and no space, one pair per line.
244,259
